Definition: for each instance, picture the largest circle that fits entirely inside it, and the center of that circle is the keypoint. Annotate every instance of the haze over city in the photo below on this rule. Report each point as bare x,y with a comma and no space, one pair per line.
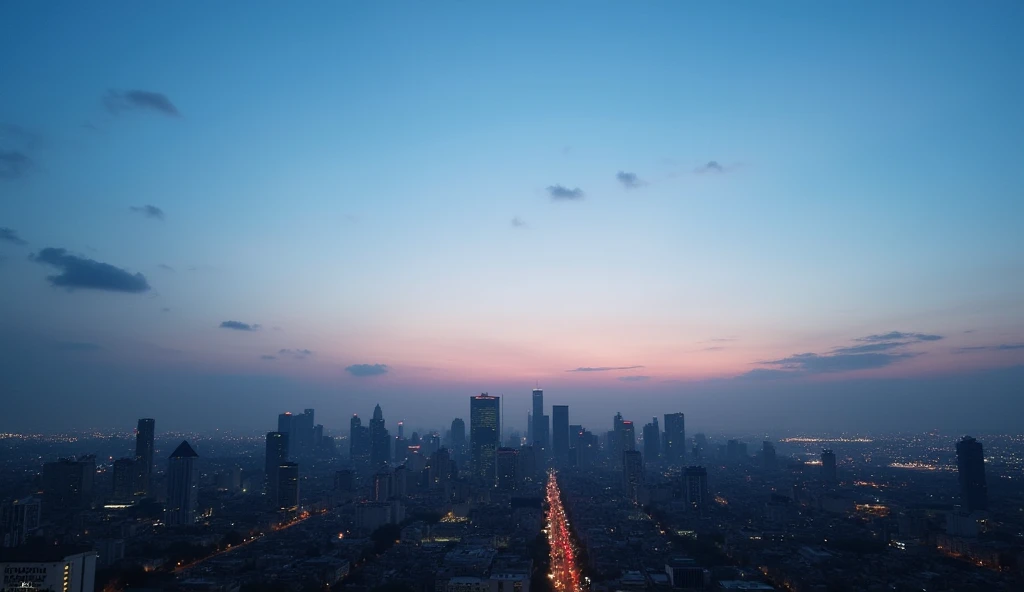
796,217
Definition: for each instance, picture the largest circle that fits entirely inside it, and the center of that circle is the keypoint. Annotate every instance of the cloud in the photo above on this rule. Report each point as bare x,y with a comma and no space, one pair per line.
130,100
884,342
810,363
14,164
9,235
76,346
148,211
165,267
268,357
603,368
714,348
711,167
634,378
239,326
629,180
367,369
893,335
985,348
298,354
720,340
79,272
868,348
518,222
165,309
561,193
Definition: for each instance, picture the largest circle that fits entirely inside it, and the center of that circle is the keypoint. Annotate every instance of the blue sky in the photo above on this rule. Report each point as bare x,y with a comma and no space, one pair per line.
346,176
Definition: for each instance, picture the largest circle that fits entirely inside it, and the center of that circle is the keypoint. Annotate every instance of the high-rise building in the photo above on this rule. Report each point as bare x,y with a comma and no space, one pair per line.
627,436
182,486
68,485
57,568
401,429
380,440
276,454
529,428
19,520
675,439
768,455
632,472
301,436
560,433
539,442
527,469
459,440
700,446
126,474
285,425
652,441
587,445
695,487
508,469
484,435
970,464
440,468
345,481
144,434
828,466
381,485
288,486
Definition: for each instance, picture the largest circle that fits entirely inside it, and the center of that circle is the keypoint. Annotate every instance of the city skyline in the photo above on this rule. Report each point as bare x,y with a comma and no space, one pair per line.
757,219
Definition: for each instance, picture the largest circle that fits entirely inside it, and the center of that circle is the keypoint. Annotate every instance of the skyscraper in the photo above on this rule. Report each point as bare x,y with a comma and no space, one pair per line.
828,466
675,439
68,484
652,441
301,436
287,487
627,436
508,468
285,425
380,440
484,435
560,433
276,454
182,486
632,472
540,428
144,455
695,487
126,475
459,440
970,464
768,455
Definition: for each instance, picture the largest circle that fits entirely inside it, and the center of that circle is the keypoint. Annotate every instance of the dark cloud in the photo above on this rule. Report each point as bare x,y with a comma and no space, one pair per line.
711,167
810,363
562,193
894,335
79,272
518,222
986,348
165,267
10,236
76,346
14,164
148,211
367,369
603,368
634,378
130,100
165,309
239,326
885,342
629,180
298,354
868,348
268,357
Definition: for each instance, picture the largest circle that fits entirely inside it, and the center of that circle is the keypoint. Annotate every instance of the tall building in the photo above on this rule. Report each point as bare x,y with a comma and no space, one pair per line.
380,440
276,454
695,487
560,433
627,436
459,440
508,469
301,436
768,455
65,568
68,485
828,466
358,440
652,441
182,486
484,435
539,431
126,475
527,470
675,439
285,425
345,481
632,472
288,486
144,456
19,519
970,464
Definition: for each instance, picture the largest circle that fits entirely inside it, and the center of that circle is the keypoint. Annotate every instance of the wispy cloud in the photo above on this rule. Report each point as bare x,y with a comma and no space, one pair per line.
872,351
363,370
298,354
710,167
148,211
893,335
165,267
518,222
714,348
144,100
10,236
629,180
16,143
239,326
165,309
634,378
562,193
79,272
811,363
603,368
990,348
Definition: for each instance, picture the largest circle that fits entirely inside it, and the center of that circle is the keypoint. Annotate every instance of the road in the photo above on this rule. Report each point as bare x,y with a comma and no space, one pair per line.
565,573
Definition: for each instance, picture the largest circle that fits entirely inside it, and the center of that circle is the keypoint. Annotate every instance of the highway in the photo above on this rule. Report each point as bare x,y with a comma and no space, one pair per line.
565,574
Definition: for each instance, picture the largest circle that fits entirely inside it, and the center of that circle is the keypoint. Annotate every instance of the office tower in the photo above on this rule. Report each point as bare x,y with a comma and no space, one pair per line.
400,482
508,469
276,454
381,485
560,433
285,425
627,436
401,429
675,439
318,436
345,481
54,568
828,466
539,443
380,439
652,441
484,422
459,439
302,431
587,445
615,438
527,463
288,487
126,475
632,472
68,485
440,468
970,464
695,487
182,487
768,455
144,456
19,519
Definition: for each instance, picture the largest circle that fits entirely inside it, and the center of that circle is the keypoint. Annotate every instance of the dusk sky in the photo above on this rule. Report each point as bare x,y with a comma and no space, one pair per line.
803,215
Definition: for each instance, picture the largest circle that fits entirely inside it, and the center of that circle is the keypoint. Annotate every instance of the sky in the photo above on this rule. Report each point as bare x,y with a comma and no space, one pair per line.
797,215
